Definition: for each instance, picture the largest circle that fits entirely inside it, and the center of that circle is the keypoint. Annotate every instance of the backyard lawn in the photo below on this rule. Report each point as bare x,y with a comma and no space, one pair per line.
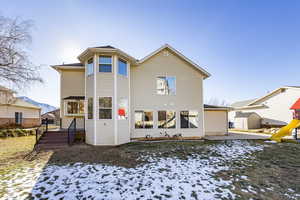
159,170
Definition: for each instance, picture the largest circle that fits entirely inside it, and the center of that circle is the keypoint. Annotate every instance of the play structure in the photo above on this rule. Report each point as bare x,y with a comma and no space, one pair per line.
288,129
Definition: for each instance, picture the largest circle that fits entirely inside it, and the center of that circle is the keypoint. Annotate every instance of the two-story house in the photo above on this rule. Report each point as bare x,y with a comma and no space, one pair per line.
116,97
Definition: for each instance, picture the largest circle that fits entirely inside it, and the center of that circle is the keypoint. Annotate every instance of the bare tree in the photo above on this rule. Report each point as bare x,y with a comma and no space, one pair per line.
216,102
15,65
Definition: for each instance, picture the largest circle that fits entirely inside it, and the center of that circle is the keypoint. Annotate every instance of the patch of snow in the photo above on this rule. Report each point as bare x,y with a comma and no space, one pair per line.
271,142
164,178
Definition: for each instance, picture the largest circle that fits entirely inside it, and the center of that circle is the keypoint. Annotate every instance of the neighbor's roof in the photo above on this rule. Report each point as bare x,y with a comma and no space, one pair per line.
21,103
2,88
213,107
253,102
244,114
242,103
296,105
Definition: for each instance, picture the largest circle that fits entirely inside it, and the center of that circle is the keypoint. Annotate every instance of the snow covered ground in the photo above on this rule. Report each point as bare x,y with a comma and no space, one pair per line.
160,178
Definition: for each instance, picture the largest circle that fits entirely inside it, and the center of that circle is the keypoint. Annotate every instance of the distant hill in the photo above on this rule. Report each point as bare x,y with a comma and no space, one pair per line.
45,107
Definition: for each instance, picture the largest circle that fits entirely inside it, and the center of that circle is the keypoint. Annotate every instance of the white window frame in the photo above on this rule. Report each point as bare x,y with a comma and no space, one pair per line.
145,110
166,119
112,63
127,111
164,75
66,107
112,105
87,108
126,67
87,63
188,123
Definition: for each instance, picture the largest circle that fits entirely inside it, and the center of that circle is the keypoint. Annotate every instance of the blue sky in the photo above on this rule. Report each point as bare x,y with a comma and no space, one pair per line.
249,47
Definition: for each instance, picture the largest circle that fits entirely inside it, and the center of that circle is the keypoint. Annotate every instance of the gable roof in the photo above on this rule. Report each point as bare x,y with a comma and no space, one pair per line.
111,49
105,49
254,102
281,89
2,88
21,103
167,46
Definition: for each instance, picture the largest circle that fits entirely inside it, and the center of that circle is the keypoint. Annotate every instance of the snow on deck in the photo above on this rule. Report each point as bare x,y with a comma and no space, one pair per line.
162,178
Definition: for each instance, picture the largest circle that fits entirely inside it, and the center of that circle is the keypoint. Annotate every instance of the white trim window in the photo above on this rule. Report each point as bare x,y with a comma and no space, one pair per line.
166,85
74,108
105,107
123,109
166,119
143,119
122,67
90,67
105,64
90,107
189,119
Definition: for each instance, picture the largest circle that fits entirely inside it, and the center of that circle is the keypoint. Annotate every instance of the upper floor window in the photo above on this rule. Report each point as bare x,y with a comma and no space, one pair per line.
105,64
90,66
105,108
166,85
74,107
122,67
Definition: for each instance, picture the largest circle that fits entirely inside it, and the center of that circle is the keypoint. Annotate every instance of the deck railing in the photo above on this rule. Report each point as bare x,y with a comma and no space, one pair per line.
43,128
72,132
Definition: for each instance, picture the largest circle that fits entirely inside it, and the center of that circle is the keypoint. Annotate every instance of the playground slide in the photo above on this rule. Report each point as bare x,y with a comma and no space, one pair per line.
286,130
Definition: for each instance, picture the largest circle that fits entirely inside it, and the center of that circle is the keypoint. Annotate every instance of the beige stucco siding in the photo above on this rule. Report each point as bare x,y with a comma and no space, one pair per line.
215,122
105,127
9,112
89,123
30,117
72,84
188,92
123,130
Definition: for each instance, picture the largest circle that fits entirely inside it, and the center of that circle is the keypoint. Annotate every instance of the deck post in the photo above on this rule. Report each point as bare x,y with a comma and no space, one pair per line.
36,135
46,124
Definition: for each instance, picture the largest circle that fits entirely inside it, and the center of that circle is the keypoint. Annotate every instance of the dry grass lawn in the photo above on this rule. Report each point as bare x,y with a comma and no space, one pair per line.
12,147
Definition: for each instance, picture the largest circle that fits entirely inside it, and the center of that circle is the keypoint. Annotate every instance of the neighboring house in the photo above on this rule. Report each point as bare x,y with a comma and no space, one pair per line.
53,117
16,112
273,109
247,120
116,97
